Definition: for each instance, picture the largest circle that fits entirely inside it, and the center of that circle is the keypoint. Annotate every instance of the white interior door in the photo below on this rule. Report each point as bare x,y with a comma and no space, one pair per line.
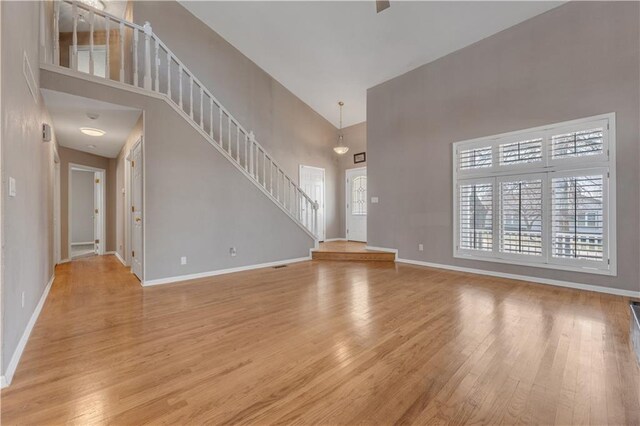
136,210
98,214
356,191
312,183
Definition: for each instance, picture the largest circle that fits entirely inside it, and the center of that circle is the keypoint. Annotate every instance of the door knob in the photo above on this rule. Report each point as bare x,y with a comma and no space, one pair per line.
138,219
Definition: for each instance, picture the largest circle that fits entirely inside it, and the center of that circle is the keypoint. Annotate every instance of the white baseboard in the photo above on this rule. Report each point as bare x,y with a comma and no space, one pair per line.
117,255
385,249
327,240
547,281
64,261
221,272
15,359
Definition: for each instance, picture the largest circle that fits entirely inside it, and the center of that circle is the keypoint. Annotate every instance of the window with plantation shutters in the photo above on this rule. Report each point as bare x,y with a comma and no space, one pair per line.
476,216
475,158
541,197
521,216
577,217
525,151
580,143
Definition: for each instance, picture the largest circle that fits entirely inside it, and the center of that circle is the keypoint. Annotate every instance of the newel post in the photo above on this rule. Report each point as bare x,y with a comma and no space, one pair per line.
147,55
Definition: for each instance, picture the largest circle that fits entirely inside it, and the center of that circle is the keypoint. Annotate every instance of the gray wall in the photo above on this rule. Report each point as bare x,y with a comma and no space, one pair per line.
578,60
82,201
197,204
287,127
27,219
67,156
356,139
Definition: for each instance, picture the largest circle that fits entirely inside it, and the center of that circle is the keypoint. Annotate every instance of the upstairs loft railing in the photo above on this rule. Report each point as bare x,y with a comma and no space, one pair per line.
100,44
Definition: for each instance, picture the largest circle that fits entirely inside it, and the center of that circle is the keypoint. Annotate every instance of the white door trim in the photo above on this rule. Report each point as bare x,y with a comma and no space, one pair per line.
57,223
142,209
346,197
101,216
324,196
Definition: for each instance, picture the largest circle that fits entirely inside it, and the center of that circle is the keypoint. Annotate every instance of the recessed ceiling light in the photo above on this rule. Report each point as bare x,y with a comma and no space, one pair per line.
91,146
92,132
93,115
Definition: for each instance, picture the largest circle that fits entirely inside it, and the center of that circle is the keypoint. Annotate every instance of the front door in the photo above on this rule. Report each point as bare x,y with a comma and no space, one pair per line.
136,210
356,189
312,183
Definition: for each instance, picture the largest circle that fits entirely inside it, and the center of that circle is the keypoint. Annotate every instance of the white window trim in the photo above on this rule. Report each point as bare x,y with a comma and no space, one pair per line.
470,252
606,161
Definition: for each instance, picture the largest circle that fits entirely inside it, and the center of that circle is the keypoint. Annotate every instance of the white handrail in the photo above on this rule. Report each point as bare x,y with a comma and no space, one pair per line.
300,206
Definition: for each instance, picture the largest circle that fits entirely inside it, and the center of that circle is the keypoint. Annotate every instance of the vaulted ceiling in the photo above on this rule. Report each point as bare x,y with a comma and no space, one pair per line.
325,51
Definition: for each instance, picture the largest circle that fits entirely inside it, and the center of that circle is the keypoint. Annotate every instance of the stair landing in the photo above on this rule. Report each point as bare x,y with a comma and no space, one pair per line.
349,250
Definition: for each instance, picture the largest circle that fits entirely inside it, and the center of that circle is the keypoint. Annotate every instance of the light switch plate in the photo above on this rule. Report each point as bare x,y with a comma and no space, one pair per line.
12,187
374,200
183,260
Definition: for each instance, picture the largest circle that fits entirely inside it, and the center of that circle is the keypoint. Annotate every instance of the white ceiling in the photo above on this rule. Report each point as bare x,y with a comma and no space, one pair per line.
69,113
325,51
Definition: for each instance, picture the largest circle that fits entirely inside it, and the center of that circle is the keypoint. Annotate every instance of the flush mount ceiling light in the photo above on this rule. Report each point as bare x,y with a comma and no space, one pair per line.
341,147
89,131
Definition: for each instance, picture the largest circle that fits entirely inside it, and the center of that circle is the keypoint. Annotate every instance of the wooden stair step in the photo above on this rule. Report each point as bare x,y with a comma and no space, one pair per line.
369,255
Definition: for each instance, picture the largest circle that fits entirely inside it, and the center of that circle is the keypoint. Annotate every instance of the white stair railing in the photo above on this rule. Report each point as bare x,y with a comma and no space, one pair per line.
162,72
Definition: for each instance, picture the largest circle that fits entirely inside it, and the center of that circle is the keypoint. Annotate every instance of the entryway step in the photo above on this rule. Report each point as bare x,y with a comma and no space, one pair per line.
350,251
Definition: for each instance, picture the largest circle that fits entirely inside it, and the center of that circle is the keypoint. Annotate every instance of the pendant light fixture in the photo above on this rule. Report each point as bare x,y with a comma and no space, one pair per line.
341,147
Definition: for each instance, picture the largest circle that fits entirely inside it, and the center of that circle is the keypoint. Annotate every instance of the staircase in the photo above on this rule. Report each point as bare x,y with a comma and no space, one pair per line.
133,55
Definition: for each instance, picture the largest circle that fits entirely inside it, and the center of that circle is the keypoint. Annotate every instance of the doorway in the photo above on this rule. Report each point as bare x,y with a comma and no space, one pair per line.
86,211
56,208
356,204
136,218
312,183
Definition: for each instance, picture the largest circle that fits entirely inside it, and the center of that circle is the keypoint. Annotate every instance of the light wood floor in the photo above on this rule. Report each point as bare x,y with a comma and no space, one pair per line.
323,342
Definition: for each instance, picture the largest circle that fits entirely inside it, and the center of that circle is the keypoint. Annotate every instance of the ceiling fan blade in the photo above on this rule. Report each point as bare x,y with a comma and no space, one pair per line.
382,5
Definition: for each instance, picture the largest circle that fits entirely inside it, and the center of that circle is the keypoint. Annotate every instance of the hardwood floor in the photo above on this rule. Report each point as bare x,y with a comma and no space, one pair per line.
323,342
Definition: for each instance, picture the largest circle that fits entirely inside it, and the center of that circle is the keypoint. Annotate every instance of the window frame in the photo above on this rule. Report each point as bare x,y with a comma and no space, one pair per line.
527,258
548,168
477,181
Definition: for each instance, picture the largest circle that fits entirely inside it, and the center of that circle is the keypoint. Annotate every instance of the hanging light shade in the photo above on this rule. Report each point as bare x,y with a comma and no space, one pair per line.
341,147
96,4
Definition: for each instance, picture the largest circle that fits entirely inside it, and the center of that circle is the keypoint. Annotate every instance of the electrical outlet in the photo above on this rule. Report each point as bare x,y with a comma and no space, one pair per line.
233,252
23,299
183,260
420,247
